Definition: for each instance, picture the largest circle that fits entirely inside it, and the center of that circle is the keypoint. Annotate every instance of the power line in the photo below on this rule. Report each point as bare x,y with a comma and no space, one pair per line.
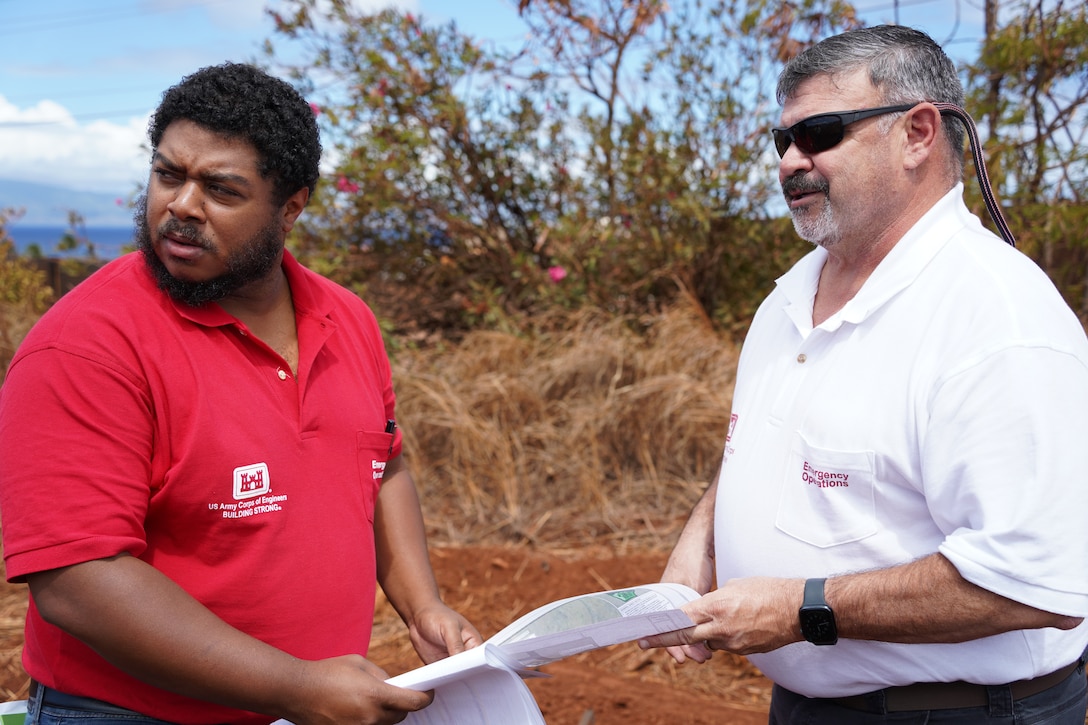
897,5
75,117
31,24
86,15
82,92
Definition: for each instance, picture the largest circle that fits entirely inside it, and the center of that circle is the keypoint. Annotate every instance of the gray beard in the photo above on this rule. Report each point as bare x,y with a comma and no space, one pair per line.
818,228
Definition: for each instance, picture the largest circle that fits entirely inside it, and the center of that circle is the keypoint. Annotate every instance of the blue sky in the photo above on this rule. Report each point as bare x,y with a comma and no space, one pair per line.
78,79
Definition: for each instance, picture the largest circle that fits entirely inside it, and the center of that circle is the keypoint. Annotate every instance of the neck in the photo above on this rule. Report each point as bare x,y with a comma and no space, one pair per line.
267,309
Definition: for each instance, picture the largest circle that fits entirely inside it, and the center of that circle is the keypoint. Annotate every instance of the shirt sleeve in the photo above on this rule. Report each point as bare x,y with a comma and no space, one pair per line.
1005,464
75,457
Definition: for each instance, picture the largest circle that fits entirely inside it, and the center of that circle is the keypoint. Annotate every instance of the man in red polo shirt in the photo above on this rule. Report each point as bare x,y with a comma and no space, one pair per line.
200,470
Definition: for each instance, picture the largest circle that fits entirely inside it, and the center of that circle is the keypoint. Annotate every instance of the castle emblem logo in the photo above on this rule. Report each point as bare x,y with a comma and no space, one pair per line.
250,481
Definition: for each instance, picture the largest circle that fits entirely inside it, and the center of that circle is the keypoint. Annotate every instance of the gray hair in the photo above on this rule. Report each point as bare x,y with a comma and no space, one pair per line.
904,65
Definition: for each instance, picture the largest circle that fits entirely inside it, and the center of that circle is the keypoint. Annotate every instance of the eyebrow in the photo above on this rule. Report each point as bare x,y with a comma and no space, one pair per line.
215,176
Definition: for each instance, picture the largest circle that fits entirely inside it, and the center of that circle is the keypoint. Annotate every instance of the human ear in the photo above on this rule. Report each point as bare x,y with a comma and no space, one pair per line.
293,207
923,131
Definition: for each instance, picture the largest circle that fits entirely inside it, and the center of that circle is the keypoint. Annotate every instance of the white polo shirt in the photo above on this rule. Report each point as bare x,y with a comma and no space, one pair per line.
942,409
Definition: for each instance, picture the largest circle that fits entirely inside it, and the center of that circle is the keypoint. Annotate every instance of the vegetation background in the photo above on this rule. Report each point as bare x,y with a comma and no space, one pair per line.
566,241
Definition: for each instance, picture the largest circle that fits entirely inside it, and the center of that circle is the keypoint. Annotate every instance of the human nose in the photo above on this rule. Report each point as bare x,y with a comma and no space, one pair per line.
793,161
188,202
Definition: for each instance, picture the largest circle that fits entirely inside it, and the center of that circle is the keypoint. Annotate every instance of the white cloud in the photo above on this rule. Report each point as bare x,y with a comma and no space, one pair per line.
46,144
50,143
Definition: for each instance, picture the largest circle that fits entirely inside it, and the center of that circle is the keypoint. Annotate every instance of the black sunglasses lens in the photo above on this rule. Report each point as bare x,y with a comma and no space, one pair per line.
814,135
783,137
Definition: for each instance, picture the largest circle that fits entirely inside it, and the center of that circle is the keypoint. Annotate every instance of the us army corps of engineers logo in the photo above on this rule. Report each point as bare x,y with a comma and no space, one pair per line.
252,489
250,481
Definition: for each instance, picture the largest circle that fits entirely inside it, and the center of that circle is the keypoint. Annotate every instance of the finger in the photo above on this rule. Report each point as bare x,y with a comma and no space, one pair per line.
471,637
457,635
700,652
678,655
403,699
464,637
668,639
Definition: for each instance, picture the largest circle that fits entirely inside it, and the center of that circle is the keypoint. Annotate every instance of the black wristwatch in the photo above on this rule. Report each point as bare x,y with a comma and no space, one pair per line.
817,619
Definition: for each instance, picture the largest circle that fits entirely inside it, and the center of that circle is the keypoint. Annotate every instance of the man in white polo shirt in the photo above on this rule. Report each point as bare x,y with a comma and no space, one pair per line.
897,530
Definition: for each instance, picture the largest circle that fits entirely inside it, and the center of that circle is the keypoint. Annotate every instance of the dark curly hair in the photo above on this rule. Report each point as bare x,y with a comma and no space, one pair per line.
241,101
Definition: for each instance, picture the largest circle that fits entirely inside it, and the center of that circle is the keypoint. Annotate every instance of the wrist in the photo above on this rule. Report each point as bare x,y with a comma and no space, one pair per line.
816,617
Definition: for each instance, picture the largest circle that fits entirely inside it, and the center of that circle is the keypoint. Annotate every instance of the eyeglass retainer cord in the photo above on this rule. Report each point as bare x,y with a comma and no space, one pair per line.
980,169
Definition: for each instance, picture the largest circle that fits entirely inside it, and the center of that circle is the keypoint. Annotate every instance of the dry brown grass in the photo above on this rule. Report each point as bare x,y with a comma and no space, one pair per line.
590,432
588,429
581,432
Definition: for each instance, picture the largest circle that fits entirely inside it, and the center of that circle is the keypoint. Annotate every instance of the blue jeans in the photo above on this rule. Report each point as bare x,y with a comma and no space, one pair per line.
88,712
1064,704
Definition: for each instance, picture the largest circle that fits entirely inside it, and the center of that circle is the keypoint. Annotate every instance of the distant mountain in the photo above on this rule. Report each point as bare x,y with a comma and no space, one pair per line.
49,205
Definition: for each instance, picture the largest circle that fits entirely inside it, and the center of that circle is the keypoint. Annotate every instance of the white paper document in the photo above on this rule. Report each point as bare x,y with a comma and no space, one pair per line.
484,685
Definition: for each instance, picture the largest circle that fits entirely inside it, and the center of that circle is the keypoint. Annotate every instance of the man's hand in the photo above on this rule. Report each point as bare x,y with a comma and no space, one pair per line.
439,632
744,616
350,689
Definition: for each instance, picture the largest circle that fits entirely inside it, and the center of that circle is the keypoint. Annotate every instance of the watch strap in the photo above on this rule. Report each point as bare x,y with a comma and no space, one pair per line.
814,593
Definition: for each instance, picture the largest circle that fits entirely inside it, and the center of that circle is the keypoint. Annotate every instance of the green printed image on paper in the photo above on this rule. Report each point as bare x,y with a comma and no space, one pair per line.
577,612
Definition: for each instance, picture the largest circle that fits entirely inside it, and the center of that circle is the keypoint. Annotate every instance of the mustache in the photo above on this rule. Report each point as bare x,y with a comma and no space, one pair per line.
795,185
188,232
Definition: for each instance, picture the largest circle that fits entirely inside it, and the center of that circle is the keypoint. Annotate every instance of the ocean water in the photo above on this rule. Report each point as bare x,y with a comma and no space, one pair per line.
109,242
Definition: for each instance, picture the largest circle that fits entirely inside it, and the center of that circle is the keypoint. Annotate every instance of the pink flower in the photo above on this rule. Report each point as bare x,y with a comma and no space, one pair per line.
381,89
346,185
557,274
119,201
315,108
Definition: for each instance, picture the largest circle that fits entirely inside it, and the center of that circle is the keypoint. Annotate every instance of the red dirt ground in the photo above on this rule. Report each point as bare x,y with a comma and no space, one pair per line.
618,685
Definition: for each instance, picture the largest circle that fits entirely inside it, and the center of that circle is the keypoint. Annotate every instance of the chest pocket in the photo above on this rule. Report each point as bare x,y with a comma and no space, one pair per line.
828,496
372,452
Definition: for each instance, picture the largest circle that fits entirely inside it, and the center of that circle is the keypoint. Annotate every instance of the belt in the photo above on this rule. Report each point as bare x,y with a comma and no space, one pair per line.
948,695
56,698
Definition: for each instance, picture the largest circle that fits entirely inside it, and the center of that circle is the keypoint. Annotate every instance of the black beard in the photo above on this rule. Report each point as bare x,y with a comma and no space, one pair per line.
253,261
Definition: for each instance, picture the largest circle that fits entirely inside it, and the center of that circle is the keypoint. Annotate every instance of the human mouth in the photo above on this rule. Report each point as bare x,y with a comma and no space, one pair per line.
798,200
181,247
798,192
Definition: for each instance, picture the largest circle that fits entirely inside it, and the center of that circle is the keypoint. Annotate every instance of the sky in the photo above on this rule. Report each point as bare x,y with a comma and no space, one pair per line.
78,79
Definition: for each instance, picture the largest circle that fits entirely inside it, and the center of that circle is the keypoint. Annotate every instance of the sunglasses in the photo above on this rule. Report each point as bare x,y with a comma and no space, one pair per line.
825,130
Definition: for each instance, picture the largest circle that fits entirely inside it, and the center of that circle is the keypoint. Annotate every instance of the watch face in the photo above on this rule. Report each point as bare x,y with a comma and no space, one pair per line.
818,625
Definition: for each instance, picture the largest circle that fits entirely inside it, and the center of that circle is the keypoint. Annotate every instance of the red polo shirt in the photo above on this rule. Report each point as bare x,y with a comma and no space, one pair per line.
131,423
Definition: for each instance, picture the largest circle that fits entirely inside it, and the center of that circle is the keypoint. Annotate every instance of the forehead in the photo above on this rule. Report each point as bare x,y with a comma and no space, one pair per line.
827,93
189,145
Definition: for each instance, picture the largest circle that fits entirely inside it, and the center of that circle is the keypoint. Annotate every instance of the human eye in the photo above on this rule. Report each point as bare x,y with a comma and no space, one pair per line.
223,191
164,174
